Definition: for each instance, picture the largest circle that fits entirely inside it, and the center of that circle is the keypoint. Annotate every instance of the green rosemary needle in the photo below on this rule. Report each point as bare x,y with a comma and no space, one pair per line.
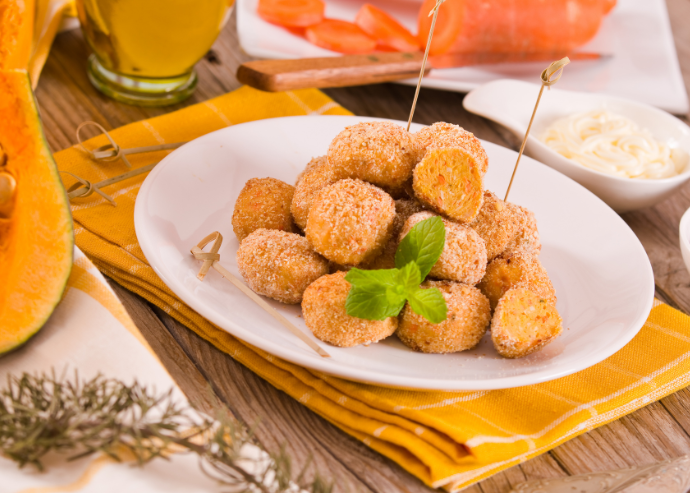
40,414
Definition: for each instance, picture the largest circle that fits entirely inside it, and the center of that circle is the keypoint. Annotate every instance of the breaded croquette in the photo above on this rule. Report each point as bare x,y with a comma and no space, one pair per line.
350,221
518,270
315,162
324,313
449,181
527,238
279,265
497,223
381,153
314,179
464,255
466,323
523,323
263,203
443,134
403,210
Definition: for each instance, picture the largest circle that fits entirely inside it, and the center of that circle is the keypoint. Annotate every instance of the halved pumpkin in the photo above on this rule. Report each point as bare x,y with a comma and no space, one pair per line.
16,33
36,237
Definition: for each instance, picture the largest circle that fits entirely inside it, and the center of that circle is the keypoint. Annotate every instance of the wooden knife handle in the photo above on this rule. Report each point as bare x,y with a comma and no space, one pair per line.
350,70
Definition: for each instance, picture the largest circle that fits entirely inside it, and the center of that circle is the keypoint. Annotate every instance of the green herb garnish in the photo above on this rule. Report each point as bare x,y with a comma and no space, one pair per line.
46,414
379,294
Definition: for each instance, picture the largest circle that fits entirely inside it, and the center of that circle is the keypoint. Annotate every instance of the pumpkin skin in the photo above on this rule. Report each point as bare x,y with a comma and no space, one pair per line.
36,236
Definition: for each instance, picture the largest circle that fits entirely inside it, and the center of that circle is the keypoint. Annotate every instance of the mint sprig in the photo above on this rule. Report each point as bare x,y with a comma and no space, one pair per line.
379,294
422,245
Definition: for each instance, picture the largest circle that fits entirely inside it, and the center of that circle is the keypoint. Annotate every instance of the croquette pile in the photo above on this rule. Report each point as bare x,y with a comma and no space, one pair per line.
351,208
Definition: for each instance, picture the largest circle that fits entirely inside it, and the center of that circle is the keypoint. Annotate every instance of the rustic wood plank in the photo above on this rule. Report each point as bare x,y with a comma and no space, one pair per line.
646,436
678,405
179,366
278,420
394,101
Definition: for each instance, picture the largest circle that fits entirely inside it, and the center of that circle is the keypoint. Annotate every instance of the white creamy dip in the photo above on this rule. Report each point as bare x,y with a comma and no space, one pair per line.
612,144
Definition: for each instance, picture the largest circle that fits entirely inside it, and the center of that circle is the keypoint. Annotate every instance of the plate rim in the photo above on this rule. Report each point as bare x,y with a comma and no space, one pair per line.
354,374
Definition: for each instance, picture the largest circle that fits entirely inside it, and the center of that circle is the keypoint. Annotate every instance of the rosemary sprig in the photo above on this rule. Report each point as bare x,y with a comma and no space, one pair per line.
43,413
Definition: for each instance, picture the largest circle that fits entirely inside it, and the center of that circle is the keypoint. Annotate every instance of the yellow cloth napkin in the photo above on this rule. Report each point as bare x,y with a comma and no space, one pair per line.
445,439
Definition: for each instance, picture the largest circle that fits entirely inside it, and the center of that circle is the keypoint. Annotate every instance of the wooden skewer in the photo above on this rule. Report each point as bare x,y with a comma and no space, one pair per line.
84,188
110,152
211,259
423,70
551,70
113,151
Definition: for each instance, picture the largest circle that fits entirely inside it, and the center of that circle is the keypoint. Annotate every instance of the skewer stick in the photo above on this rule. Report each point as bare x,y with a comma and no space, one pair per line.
77,190
113,151
107,153
211,259
555,69
434,11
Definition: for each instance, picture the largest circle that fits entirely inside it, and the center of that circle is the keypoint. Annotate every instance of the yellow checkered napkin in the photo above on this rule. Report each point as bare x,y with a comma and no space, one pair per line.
445,439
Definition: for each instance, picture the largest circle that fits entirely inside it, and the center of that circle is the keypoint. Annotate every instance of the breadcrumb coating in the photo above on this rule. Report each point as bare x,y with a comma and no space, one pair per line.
403,210
381,153
279,265
527,238
443,134
263,203
448,180
517,270
315,162
318,176
464,254
466,323
497,223
523,323
323,308
350,221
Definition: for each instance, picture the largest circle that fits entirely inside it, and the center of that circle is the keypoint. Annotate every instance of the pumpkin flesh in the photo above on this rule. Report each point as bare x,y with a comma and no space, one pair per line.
16,33
36,238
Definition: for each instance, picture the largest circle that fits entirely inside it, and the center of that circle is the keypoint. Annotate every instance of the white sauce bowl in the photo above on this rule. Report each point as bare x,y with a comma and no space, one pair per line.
511,103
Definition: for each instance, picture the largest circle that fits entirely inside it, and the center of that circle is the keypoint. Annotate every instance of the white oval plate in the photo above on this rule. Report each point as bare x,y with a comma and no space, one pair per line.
600,270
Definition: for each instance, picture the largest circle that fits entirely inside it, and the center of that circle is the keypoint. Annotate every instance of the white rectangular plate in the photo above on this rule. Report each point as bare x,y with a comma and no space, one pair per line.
644,66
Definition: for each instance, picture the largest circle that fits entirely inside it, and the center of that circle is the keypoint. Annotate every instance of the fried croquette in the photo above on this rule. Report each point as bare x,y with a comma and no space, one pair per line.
263,203
497,223
467,319
523,323
449,181
381,153
323,308
443,134
279,265
464,254
518,270
315,178
403,210
350,221
527,238
315,162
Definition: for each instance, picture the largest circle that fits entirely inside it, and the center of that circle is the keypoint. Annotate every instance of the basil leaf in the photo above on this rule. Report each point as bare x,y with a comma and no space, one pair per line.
422,245
430,304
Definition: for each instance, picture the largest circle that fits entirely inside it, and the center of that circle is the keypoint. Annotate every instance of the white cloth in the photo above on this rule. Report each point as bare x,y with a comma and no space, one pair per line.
90,332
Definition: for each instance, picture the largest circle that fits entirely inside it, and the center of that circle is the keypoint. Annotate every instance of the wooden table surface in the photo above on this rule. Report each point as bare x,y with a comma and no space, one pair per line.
658,431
